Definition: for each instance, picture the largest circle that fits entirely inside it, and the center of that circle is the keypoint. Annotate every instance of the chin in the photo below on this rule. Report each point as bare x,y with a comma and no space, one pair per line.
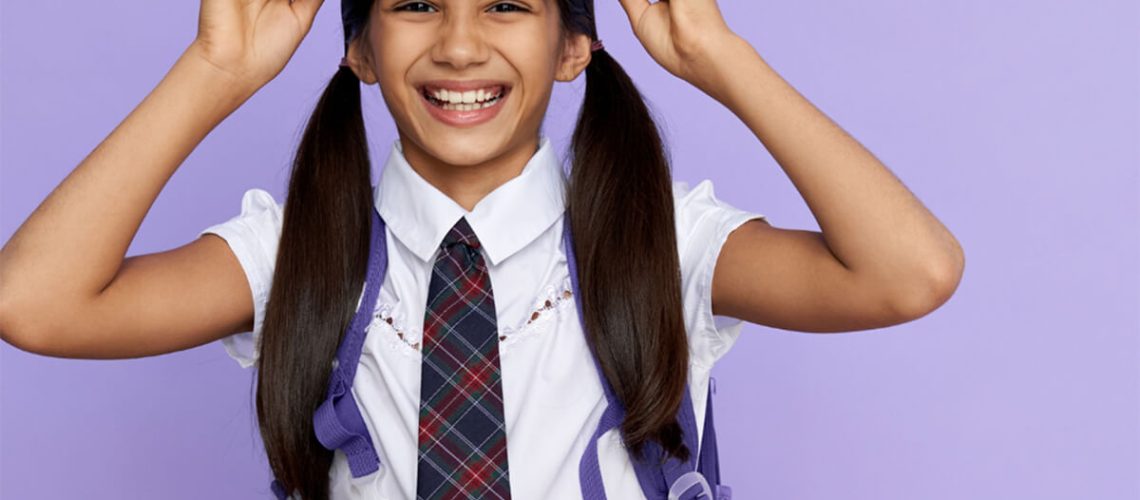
465,146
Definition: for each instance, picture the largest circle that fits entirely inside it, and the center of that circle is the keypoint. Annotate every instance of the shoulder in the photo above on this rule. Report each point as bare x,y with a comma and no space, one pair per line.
703,223
259,221
703,220
252,235
259,204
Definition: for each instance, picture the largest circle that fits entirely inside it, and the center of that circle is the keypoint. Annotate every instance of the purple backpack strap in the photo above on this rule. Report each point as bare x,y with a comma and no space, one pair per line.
709,461
337,421
339,425
672,480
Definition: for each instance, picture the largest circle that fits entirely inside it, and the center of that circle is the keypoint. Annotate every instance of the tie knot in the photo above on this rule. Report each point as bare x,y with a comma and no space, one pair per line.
461,232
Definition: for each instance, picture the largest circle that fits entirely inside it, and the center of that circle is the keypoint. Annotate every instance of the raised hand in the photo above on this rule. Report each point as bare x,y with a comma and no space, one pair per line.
252,40
679,34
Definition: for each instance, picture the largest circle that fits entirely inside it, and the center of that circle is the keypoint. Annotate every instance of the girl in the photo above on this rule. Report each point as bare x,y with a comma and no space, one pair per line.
493,394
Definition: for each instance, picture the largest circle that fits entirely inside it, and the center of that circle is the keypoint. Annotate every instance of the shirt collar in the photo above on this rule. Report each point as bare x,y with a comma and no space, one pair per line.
505,220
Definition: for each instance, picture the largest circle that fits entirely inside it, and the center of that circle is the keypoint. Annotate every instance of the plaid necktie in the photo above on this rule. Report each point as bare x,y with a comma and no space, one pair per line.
462,436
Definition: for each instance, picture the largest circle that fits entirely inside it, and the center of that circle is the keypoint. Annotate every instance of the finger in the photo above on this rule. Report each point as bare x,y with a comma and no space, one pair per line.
634,9
307,9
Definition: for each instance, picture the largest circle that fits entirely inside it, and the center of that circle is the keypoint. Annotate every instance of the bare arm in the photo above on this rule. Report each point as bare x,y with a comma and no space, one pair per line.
70,249
881,258
65,287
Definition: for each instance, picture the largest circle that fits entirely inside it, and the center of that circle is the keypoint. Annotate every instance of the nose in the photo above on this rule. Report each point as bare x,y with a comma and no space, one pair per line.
461,41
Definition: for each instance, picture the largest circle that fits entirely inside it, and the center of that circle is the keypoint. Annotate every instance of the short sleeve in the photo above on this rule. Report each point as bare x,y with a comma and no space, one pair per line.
703,225
252,236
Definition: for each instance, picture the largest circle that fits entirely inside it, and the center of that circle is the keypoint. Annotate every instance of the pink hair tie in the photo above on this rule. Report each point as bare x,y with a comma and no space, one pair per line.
596,46
344,62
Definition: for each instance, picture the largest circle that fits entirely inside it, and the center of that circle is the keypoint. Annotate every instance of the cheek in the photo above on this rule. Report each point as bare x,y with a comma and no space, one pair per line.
391,88
396,48
392,66
535,63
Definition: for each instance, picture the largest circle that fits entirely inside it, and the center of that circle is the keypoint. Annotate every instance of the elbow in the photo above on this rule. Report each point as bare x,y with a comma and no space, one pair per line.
11,334
933,290
7,332
17,331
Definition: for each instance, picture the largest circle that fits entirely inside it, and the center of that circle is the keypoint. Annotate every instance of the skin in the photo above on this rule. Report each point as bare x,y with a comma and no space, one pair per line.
880,258
519,42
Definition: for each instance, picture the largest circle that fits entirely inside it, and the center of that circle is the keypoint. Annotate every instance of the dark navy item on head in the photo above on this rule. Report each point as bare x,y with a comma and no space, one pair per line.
352,15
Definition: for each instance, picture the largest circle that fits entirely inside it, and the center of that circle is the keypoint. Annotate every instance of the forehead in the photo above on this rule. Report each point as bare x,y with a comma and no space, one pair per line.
358,7
356,14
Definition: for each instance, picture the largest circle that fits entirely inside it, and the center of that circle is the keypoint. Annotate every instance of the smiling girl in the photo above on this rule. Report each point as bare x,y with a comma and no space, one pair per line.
477,324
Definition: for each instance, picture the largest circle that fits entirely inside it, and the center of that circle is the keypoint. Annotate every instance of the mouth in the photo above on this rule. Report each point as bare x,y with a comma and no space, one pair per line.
467,103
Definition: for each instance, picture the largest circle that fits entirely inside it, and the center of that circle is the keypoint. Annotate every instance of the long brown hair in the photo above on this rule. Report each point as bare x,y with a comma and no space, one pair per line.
620,209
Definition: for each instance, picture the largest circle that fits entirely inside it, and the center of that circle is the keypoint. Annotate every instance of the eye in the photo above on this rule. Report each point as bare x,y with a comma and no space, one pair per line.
504,7
414,7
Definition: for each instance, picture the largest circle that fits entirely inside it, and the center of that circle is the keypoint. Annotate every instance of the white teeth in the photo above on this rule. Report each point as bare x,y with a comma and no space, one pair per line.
465,97
470,100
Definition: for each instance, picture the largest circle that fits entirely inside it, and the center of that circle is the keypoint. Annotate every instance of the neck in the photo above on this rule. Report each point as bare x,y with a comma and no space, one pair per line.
469,183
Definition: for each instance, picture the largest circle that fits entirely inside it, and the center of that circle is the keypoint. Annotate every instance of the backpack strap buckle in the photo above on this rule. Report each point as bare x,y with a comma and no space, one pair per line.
688,480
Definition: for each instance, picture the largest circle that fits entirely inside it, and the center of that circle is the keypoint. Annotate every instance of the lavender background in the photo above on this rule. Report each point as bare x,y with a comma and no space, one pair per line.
1016,122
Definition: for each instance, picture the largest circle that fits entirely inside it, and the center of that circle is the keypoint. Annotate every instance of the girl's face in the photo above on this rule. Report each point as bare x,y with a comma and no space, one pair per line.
432,58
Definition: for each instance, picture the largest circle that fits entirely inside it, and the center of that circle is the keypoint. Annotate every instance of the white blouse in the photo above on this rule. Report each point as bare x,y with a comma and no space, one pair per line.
553,399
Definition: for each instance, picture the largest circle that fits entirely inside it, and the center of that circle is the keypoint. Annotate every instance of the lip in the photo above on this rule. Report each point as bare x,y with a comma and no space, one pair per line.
463,118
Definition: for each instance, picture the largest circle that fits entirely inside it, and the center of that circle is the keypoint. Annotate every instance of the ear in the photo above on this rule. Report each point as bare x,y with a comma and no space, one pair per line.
576,56
360,65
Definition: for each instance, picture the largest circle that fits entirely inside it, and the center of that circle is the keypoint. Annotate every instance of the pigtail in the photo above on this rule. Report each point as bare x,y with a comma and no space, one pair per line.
620,205
318,278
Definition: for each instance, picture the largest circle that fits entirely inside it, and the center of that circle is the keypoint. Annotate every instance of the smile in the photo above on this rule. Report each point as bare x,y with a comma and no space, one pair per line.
463,103
467,100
